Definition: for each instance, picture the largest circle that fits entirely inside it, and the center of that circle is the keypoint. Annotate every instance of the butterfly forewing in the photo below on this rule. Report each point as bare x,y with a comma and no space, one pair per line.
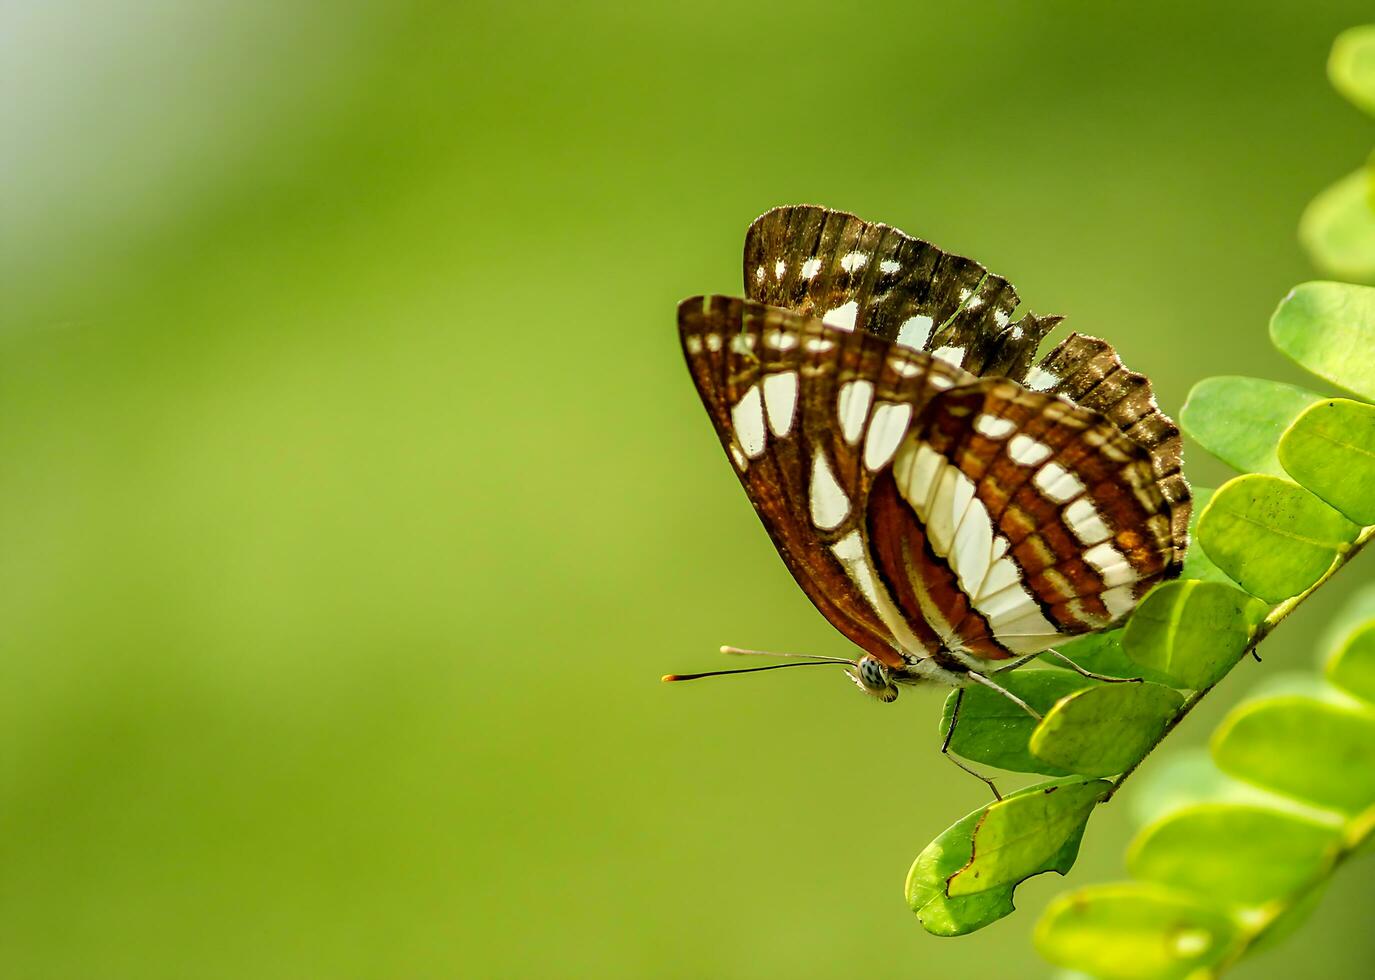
809,414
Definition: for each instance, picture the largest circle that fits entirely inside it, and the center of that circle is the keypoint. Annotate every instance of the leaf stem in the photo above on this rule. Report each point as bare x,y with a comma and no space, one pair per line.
1266,626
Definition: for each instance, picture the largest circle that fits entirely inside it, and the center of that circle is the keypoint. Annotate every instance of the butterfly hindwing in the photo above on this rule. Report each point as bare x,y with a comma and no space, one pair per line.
1024,518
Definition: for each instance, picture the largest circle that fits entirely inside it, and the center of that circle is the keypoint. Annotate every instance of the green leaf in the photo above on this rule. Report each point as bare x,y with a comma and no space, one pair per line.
1102,653
993,730
1134,932
927,882
1197,564
1024,834
1226,852
1330,449
1272,536
1323,326
1352,666
1193,632
1106,729
1315,751
1351,66
1188,778
1239,420
1337,229
938,913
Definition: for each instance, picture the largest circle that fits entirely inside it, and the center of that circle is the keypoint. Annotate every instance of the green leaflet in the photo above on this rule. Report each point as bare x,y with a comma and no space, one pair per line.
1338,229
1231,853
1106,729
952,853
1351,66
1315,751
1193,632
1330,449
1197,564
1324,326
1272,536
1102,653
938,913
993,730
1239,420
1026,833
1134,932
1352,665
1185,779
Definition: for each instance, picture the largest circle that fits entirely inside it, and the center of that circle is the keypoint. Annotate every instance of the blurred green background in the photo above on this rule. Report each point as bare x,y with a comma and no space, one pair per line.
353,495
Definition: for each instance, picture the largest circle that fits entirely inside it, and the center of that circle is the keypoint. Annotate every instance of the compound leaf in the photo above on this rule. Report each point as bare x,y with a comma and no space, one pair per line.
1105,729
1240,854
1134,931
1272,536
1330,449
1193,632
1315,751
1324,326
1239,420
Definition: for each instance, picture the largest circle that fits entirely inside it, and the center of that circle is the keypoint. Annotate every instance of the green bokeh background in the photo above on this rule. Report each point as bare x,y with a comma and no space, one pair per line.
353,496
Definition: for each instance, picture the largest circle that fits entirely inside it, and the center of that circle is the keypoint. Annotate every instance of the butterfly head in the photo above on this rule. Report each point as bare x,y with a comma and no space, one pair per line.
873,678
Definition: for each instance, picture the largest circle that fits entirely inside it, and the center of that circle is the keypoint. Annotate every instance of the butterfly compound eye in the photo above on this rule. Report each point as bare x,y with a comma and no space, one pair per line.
874,678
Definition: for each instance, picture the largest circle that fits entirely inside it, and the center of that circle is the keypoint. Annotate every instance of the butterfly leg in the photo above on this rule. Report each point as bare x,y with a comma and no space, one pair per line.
1088,673
979,678
945,746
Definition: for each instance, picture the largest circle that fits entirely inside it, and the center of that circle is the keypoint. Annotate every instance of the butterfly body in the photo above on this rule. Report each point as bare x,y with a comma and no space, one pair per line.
949,504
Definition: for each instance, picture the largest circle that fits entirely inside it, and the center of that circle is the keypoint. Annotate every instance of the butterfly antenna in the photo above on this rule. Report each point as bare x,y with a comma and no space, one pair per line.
739,652
750,670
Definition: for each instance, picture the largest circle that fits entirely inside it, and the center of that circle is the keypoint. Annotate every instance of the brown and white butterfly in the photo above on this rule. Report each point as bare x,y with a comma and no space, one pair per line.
952,505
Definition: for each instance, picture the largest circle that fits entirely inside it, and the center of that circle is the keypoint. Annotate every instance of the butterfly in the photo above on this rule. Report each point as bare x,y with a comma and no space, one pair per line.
952,504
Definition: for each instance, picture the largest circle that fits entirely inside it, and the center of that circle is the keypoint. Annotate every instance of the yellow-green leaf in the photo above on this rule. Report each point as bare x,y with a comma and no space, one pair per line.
1106,729
1351,65
1329,329
1193,632
1330,449
1018,836
1239,420
1337,229
1271,536
1312,750
1235,853
1138,931
1352,666
927,885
